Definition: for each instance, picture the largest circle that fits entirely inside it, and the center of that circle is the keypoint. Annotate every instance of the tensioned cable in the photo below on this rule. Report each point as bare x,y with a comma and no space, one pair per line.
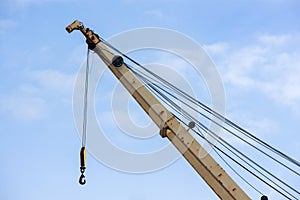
261,179
239,152
266,171
202,136
228,148
231,132
211,144
231,124
211,111
216,114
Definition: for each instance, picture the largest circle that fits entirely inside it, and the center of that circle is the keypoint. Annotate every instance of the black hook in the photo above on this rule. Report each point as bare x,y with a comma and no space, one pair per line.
82,180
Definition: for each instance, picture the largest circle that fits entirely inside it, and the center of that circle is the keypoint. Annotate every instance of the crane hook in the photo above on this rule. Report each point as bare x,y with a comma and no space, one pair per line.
82,180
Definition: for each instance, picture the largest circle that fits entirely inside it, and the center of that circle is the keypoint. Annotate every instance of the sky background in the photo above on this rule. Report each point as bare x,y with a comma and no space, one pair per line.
254,44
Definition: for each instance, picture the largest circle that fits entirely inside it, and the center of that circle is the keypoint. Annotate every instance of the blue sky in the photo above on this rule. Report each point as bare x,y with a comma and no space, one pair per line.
254,44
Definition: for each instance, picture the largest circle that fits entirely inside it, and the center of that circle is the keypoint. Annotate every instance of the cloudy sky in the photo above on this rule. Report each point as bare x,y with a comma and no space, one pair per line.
254,45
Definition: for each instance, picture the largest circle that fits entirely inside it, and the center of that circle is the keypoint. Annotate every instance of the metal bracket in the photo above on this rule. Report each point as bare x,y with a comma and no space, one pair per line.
163,132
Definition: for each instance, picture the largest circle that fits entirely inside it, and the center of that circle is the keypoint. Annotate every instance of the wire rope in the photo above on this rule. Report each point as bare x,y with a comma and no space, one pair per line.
230,146
211,111
153,87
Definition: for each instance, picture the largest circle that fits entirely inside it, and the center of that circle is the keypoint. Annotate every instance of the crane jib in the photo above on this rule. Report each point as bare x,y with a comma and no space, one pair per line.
214,175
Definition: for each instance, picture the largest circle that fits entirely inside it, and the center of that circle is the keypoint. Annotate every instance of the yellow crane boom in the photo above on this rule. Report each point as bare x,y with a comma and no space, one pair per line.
213,174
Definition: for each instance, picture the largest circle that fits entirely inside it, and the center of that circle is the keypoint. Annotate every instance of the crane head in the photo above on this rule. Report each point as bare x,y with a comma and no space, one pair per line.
75,25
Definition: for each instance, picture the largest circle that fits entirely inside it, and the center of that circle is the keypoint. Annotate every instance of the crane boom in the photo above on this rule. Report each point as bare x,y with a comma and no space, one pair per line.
213,174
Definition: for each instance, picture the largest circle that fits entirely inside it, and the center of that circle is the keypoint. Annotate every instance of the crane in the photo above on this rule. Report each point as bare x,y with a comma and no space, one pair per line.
170,127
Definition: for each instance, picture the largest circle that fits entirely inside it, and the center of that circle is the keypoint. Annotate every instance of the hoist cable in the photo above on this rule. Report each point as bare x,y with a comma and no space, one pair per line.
202,136
82,180
216,137
204,128
209,110
229,131
222,118
278,179
85,99
234,159
223,127
209,131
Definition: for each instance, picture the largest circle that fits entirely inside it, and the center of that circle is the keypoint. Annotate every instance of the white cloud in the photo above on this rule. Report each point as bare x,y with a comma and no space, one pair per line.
217,48
260,126
30,99
272,39
270,65
23,107
53,80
